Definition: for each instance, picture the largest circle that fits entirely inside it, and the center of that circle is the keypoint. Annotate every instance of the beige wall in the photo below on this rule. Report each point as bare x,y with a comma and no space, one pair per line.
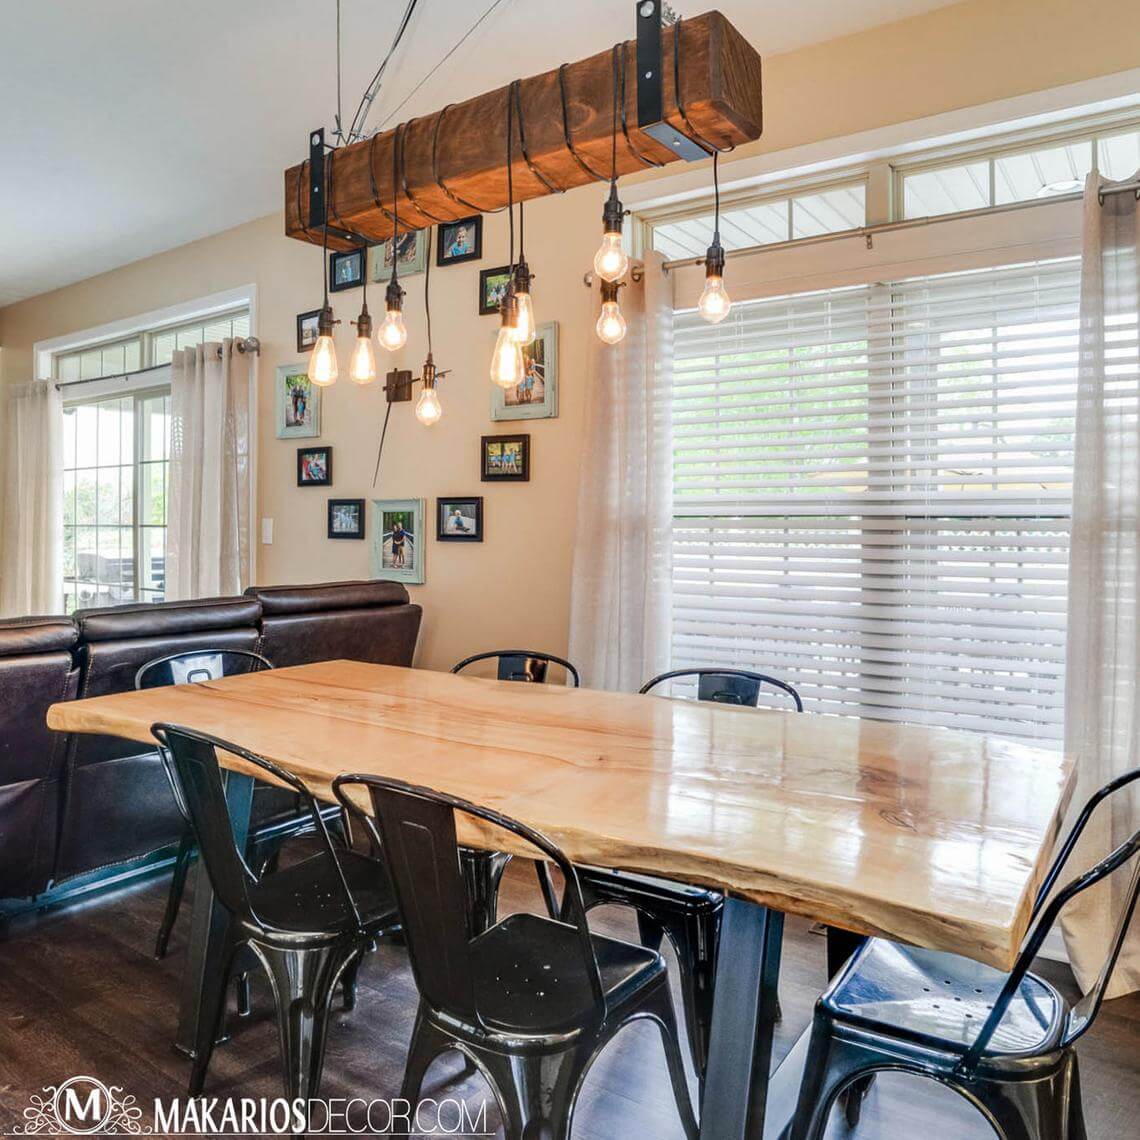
514,588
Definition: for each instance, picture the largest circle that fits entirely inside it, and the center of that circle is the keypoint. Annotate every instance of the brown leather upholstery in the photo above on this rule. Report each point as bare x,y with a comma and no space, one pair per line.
359,621
36,669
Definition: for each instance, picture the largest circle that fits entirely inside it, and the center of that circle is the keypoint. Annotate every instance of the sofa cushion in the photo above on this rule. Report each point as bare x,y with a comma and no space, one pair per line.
23,637
167,619
279,600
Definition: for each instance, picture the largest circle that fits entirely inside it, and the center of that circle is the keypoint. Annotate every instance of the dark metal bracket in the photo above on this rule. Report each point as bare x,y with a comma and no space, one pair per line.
398,385
650,86
318,207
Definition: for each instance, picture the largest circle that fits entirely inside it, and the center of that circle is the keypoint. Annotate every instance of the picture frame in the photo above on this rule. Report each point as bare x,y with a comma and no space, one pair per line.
401,560
314,466
346,518
493,285
504,459
458,241
346,270
298,403
414,253
536,396
459,518
307,329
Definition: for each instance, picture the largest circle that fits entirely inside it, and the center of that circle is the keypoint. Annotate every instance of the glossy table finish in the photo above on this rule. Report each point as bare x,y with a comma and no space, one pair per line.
922,835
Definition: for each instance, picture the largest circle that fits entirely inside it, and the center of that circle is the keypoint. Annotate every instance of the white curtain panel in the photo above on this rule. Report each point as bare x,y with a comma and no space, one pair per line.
208,511
31,573
1102,697
622,575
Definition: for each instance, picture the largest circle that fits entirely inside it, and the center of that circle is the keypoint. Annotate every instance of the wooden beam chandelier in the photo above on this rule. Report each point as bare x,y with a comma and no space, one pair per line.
689,90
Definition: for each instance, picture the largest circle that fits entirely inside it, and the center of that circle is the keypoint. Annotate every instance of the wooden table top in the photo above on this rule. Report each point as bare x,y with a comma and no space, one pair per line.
923,835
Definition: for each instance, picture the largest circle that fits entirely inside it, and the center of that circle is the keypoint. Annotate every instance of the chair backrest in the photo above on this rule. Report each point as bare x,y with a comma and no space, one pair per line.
1047,910
728,686
193,760
416,828
521,665
197,665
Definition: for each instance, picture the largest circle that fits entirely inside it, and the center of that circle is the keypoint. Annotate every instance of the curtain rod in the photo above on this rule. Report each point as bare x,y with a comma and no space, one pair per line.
869,232
246,344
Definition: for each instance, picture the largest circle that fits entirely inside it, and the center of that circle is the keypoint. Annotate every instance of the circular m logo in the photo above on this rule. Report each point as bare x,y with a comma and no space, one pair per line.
82,1106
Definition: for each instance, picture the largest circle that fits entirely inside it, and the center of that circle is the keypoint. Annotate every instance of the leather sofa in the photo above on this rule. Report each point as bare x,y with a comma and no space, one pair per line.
87,803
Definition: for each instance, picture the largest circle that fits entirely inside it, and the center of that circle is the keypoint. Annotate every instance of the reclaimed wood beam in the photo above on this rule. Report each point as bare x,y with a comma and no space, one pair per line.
453,163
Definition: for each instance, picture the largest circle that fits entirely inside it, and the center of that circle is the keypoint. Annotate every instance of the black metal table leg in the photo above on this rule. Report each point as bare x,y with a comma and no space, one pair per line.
744,1018
208,921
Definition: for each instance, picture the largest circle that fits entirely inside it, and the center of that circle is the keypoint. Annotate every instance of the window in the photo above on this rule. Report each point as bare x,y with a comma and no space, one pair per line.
116,456
764,221
1018,175
872,495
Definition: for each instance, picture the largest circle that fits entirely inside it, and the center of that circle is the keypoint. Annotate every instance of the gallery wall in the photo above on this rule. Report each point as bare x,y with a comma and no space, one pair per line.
514,587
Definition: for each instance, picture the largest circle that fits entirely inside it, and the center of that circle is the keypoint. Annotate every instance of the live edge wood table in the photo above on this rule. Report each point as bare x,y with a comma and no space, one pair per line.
926,836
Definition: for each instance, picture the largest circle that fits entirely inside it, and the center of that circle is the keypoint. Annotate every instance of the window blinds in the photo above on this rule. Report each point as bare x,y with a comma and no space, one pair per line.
871,495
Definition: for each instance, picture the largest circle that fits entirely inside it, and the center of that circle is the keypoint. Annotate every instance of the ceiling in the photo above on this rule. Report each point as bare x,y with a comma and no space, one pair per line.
135,127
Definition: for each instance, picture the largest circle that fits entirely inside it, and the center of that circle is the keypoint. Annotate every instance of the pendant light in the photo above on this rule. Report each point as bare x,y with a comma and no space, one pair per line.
428,408
393,334
715,302
323,369
362,366
507,358
611,262
611,324
524,323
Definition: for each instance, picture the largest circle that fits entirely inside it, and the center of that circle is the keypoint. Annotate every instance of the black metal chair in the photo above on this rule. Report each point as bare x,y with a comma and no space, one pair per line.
484,869
531,1001
307,924
1005,1042
276,813
688,916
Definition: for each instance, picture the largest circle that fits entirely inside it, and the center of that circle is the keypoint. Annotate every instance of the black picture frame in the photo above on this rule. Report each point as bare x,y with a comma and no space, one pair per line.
444,232
303,343
359,506
488,307
355,259
443,507
305,481
487,473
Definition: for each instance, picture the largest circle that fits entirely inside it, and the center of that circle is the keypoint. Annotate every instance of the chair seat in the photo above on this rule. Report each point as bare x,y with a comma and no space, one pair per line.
530,977
942,1000
648,888
306,897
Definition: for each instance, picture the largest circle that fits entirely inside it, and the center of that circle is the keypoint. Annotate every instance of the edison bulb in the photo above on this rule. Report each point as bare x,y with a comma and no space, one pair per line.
393,333
323,369
428,407
611,261
362,366
715,302
524,323
611,324
507,359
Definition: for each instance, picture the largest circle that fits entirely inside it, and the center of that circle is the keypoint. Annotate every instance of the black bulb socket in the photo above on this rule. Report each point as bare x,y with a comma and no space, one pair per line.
715,259
613,213
394,296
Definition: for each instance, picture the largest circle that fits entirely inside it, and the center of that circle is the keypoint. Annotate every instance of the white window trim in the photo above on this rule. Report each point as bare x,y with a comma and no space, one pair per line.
244,296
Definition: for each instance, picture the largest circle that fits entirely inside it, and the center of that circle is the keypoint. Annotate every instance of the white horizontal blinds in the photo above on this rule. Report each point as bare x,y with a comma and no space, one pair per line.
872,495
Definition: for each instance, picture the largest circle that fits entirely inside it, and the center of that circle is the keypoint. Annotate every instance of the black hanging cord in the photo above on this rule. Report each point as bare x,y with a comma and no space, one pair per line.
716,196
583,165
380,449
614,121
395,281
427,289
516,91
372,179
402,133
440,182
510,182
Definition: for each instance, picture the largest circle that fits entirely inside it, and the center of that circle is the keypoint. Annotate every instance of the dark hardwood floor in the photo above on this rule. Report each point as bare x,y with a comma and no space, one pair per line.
80,994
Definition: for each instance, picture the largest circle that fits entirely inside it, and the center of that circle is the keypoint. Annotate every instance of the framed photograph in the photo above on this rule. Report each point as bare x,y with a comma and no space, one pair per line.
505,458
346,270
298,404
411,253
459,519
398,547
307,329
346,518
314,466
493,285
535,397
459,241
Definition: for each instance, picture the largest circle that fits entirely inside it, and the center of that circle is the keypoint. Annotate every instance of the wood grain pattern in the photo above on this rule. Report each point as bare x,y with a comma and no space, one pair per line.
720,89
924,835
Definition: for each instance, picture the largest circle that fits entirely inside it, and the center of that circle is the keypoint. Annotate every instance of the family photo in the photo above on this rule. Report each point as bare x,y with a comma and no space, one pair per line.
298,403
410,252
459,520
314,466
459,241
535,396
346,518
397,549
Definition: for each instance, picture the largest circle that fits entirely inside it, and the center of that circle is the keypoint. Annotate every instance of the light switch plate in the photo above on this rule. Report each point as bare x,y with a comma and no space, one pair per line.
266,532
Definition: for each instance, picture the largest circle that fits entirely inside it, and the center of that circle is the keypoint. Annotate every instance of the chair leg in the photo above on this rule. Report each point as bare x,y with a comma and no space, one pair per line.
348,982
538,1092
426,1044
1048,1108
483,873
174,895
241,990
661,1009
211,1012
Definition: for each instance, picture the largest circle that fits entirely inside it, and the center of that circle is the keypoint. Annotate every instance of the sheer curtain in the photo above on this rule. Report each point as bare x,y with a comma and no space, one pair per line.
208,509
1102,717
31,574
622,576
